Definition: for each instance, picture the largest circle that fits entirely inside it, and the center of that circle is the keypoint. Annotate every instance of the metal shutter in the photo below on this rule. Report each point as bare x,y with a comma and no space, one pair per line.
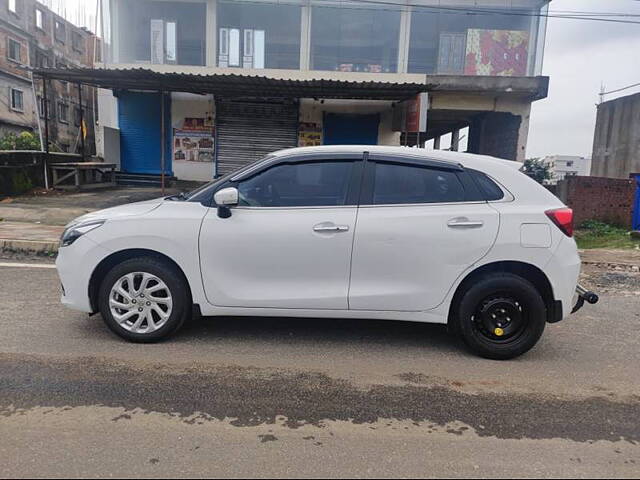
247,131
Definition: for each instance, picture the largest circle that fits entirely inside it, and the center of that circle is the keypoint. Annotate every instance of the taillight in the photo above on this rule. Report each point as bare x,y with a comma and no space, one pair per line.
563,218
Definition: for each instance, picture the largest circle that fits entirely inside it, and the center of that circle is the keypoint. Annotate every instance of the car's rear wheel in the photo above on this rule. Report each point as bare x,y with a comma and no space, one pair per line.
501,316
144,299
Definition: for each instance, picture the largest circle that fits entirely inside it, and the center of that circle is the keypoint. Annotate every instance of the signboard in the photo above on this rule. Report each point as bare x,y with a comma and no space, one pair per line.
309,134
416,113
193,145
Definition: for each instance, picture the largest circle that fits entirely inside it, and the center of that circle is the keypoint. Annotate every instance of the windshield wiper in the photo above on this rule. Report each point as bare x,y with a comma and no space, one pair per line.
178,196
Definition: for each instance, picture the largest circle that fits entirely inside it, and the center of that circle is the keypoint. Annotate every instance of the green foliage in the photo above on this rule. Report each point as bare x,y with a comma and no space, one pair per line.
596,234
537,169
23,141
21,182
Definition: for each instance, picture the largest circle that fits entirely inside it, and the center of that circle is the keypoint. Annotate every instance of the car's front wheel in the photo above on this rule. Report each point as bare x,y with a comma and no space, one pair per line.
144,299
501,316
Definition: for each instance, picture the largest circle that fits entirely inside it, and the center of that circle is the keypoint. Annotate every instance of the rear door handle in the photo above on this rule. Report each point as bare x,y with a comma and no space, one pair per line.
464,222
330,227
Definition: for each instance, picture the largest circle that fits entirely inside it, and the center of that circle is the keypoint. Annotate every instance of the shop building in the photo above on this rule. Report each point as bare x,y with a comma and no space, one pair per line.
200,88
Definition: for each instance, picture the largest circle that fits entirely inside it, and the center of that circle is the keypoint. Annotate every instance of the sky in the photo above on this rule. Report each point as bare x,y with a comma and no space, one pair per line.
580,56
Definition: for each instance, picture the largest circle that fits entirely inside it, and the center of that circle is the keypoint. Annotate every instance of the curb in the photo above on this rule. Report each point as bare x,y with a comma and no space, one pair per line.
34,246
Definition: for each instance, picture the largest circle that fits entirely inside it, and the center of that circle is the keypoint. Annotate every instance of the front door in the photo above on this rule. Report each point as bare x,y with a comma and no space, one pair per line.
288,243
418,230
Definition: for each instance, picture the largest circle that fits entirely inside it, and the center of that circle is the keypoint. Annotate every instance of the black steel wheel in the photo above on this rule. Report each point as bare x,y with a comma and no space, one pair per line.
501,316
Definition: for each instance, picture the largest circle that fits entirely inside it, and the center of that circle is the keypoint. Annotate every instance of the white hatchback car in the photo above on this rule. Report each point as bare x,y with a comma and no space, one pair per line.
337,232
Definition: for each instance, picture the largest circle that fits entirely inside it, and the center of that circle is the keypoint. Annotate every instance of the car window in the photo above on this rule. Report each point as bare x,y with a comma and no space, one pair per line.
401,184
490,189
324,183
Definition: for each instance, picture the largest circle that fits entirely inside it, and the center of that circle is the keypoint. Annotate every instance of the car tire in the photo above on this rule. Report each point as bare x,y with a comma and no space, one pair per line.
165,303
500,316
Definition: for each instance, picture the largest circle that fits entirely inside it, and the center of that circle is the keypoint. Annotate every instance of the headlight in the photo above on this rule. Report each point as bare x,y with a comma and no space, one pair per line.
74,232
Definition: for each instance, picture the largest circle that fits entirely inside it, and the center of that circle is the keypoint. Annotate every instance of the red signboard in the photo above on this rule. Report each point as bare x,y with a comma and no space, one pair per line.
416,113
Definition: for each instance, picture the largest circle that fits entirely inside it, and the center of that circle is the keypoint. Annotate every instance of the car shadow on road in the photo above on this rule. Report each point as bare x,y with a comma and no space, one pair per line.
315,331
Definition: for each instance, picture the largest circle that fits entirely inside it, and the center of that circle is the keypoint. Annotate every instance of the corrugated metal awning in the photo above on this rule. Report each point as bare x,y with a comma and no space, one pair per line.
232,85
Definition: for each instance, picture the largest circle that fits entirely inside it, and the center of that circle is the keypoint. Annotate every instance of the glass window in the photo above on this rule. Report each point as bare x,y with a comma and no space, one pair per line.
77,41
399,184
162,32
39,19
60,31
354,40
258,36
63,112
13,7
17,99
469,43
14,51
298,185
490,189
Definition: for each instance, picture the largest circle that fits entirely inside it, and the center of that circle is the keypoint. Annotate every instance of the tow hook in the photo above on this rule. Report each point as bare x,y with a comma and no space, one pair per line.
584,295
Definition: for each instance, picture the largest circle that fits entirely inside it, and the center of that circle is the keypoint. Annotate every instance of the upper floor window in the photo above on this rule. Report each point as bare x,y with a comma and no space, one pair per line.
63,112
14,50
252,35
44,107
355,40
13,6
320,183
60,31
404,184
17,99
42,61
496,43
161,32
39,19
77,42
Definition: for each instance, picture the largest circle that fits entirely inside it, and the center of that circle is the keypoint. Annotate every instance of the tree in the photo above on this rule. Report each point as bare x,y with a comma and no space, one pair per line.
23,141
537,169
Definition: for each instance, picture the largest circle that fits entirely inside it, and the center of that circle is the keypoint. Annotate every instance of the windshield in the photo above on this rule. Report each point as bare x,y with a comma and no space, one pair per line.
204,192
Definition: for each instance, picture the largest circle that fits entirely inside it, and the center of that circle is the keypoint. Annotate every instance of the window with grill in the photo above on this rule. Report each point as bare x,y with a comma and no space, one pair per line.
14,50
17,99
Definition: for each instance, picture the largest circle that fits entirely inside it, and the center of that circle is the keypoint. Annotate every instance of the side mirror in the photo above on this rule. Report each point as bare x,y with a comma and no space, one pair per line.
225,198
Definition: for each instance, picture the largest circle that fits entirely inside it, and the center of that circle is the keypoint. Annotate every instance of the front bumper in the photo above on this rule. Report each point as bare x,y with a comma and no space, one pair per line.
584,295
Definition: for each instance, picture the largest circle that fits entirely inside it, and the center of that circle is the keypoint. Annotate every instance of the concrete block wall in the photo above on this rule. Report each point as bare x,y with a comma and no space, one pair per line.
609,200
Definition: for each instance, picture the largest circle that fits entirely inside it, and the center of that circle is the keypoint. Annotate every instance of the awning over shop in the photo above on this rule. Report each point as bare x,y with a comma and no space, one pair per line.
232,85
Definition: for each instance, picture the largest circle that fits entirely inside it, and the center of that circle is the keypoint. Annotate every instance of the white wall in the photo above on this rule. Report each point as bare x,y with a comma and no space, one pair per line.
108,117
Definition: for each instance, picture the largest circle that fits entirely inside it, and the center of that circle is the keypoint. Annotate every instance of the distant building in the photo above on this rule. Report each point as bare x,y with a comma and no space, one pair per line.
567,165
31,35
616,143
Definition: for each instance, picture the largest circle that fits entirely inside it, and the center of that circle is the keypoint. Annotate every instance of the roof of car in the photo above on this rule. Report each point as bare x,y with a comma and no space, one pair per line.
465,159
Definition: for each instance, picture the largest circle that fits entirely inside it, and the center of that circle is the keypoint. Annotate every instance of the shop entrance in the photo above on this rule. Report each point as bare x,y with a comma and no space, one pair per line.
343,129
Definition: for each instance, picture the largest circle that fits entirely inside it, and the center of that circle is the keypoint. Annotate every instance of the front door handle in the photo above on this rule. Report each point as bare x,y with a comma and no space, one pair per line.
464,222
330,228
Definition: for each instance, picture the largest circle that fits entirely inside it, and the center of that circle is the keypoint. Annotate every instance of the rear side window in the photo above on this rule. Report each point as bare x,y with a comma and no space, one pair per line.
490,189
320,183
402,184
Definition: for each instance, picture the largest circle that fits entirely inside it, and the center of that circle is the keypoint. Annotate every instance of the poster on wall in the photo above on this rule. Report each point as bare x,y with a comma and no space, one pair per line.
193,145
497,52
309,134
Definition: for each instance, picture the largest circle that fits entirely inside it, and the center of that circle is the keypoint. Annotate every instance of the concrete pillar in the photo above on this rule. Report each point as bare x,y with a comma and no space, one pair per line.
455,140
211,34
403,41
305,37
497,134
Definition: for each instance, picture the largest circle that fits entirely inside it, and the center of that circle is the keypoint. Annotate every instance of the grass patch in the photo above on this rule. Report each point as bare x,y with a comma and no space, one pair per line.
595,234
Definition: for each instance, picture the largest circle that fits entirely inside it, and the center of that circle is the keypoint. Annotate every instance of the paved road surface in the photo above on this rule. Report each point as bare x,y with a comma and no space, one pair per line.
251,397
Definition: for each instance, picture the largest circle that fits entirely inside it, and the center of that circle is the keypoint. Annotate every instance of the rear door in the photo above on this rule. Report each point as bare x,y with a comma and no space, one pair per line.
420,225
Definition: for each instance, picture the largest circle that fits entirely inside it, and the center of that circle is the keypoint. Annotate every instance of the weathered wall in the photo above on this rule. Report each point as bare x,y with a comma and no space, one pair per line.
496,134
616,143
596,198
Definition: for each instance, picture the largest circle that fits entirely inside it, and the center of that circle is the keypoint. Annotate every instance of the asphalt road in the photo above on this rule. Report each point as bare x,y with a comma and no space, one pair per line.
255,397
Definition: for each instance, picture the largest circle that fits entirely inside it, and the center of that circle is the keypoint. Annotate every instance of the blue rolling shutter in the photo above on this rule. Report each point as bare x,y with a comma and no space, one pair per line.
139,119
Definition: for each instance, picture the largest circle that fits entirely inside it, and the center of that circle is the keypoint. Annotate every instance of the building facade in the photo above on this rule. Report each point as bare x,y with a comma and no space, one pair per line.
479,63
563,166
616,143
32,36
